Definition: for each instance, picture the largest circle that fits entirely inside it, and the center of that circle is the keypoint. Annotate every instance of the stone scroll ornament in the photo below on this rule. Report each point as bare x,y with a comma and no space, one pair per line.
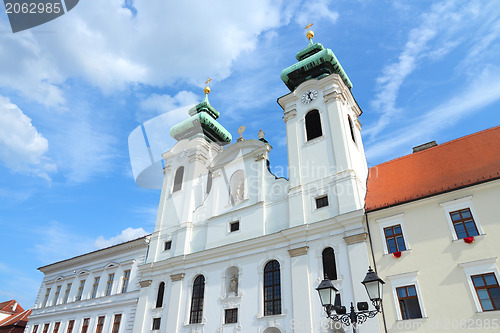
26,14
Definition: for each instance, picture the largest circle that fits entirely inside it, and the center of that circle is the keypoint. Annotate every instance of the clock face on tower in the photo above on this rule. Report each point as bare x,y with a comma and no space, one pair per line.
309,96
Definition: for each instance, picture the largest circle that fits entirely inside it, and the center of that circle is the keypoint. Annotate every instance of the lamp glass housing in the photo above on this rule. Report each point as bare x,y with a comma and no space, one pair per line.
327,291
373,285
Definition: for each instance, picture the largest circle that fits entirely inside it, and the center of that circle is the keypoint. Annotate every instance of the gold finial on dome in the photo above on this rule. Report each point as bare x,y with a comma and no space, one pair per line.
309,33
207,88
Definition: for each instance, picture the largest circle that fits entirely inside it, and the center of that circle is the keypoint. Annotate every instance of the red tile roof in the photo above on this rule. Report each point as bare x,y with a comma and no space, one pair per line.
16,320
466,161
8,305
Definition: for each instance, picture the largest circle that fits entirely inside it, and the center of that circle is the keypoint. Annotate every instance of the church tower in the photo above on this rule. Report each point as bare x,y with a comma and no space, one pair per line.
186,178
327,165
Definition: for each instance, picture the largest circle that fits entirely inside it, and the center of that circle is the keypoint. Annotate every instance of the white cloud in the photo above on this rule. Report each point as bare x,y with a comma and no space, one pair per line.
444,28
84,149
315,10
126,235
483,91
157,104
108,46
56,242
22,147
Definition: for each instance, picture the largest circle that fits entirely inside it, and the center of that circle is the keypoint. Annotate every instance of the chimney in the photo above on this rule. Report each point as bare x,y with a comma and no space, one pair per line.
424,146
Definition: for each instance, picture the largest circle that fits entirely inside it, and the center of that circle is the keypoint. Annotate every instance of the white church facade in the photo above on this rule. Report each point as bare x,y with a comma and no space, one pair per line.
236,249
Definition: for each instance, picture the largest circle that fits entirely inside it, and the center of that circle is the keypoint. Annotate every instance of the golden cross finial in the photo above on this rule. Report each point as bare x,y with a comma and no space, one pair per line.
309,34
207,88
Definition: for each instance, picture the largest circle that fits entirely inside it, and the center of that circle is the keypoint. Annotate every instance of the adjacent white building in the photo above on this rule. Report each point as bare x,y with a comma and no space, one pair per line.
94,292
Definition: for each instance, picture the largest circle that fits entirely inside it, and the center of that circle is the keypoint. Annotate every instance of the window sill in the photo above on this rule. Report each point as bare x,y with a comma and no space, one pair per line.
478,237
487,312
278,316
412,319
313,141
403,254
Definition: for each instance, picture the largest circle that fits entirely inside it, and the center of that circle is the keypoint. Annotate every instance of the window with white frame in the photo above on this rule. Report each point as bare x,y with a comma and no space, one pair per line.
126,278
46,298
406,294
93,294
408,302
461,218
80,290
392,232
56,295
66,293
109,284
482,278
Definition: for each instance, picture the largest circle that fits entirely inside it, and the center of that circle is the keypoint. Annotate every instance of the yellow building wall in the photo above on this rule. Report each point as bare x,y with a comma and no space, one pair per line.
438,262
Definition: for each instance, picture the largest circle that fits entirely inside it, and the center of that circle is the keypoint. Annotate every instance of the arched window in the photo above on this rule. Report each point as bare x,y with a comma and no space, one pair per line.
313,125
179,175
197,300
351,126
329,267
272,289
159,298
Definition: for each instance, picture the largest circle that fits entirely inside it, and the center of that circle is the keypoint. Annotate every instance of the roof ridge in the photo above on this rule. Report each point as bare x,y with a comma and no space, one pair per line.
439,145
10,320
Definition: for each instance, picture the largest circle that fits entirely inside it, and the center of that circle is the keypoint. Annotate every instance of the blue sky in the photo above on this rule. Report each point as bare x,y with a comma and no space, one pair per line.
72,90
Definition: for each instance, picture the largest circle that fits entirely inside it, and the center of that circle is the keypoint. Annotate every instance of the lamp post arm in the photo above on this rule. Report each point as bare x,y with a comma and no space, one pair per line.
353,317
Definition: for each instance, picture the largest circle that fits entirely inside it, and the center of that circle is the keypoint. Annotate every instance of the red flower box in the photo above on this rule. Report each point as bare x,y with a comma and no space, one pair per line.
396,254
469,240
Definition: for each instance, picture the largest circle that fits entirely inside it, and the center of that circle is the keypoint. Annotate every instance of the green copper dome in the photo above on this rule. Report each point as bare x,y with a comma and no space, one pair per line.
203,121
315,62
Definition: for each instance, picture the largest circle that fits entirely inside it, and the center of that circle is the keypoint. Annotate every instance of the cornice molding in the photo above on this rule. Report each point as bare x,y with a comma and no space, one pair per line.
177,277
355,239
145,283
300,251
130,246
341,225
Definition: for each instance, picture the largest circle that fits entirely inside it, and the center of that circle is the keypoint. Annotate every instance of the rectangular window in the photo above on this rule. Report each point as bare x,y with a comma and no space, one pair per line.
35,328
46,328
156,323
234,226
80,290
100,324
408,302
464,224
66,293
126,277
394,239
56,295
168,245
109,284
71,323
46,298
322,201
93,294
85,325
56,327
230,316
116,323
487,290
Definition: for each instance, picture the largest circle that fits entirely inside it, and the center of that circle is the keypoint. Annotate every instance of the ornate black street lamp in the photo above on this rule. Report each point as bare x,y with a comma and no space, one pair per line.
337,312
